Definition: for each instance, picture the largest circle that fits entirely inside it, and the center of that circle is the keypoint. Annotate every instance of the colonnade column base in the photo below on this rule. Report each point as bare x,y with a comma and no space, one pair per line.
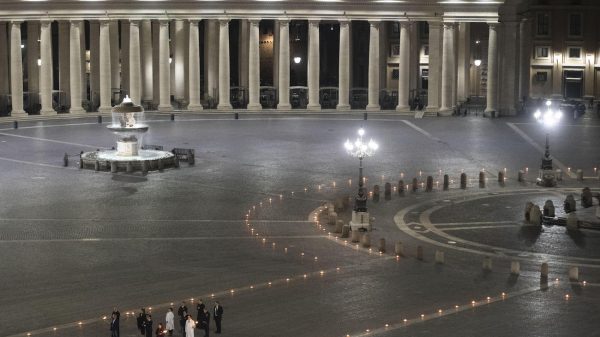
254,107
343,107
51,112
224,106
402,108
373,107
284,107
445,112
104,109
165,108
195,107
313,107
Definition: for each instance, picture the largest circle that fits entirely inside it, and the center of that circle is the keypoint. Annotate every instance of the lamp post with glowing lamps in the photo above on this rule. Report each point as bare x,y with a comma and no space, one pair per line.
360,149
548,119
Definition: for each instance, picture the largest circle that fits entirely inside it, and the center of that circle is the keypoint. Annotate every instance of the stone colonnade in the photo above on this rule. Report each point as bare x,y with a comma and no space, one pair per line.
149,60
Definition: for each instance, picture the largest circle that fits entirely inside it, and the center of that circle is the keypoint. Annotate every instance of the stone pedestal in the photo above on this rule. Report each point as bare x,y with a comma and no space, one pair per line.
547,178
360,220
129,148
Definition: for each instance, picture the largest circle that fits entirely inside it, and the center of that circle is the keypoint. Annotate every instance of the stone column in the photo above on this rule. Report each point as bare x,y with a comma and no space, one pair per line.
164,67
224,70
276,44
313,65
212,57
464,61
155,62
146,59
284,65
194,49
4,73
254,66
243,62
105,68
447,69
373,89
492,78
344,67
33,56
179,60
525,58
16,70
95,63
64,54
509,80
83,79
115,64
46,68
135,60
435,66
404,68
75,68
124,57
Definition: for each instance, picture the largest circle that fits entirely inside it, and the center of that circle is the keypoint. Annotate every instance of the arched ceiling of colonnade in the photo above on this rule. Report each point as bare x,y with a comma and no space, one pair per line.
467,10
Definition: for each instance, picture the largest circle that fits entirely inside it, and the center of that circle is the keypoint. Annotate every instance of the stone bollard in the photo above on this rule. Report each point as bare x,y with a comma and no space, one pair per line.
569,204
535,215
544,271
572,221
528,207
345,231
339,226
366,240
161,165
587,199
446,182
549,209
338,205
487,263
345,201
401,187
129,167
420,253
520,176
176,162
559,175
113,167
382,245
66,160
574,274
99,119
15,124
463,181
399,248
579,175
355,237
96,166
144,167
439,257
376,193
481,179
429,184
333,218
501,177
415,184
388,191
515,267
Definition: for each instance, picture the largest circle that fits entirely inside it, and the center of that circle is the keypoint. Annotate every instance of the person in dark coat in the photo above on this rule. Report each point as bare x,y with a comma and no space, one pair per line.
205,321
182,313
148,325
218,315
114,326
140,321
200,307
116,312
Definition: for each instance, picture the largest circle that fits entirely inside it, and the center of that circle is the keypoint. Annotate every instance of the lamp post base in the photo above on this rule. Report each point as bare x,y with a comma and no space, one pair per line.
360,221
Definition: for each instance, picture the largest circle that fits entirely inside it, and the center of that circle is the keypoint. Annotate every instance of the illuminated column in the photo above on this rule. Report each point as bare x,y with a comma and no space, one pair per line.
146,59
64,55
179,60
243,62
373,89
435,66
254,66
557,60
492,79
509,81
105,69
525,58
276,54
4,85
447,69
464,61
224,70
95,63
16,70
194,67
32,46
211,57
404,68
135,59
284,65
313,65
115,64
344,67
46,68
75,68
164,68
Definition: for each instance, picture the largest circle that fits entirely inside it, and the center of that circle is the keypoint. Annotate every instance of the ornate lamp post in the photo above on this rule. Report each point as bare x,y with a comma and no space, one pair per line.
549,118
360,150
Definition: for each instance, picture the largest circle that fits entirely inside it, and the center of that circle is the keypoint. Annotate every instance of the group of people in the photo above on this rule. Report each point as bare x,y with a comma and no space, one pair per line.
186,322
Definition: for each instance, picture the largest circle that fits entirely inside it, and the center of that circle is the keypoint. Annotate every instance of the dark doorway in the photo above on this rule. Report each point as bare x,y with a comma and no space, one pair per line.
573,80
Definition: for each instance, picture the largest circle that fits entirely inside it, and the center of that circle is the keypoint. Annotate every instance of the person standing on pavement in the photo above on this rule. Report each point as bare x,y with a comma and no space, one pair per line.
116,312
148,325
114,326
205,321
182,313
190,325
160,330
218,315
170,321
200,307
140,321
